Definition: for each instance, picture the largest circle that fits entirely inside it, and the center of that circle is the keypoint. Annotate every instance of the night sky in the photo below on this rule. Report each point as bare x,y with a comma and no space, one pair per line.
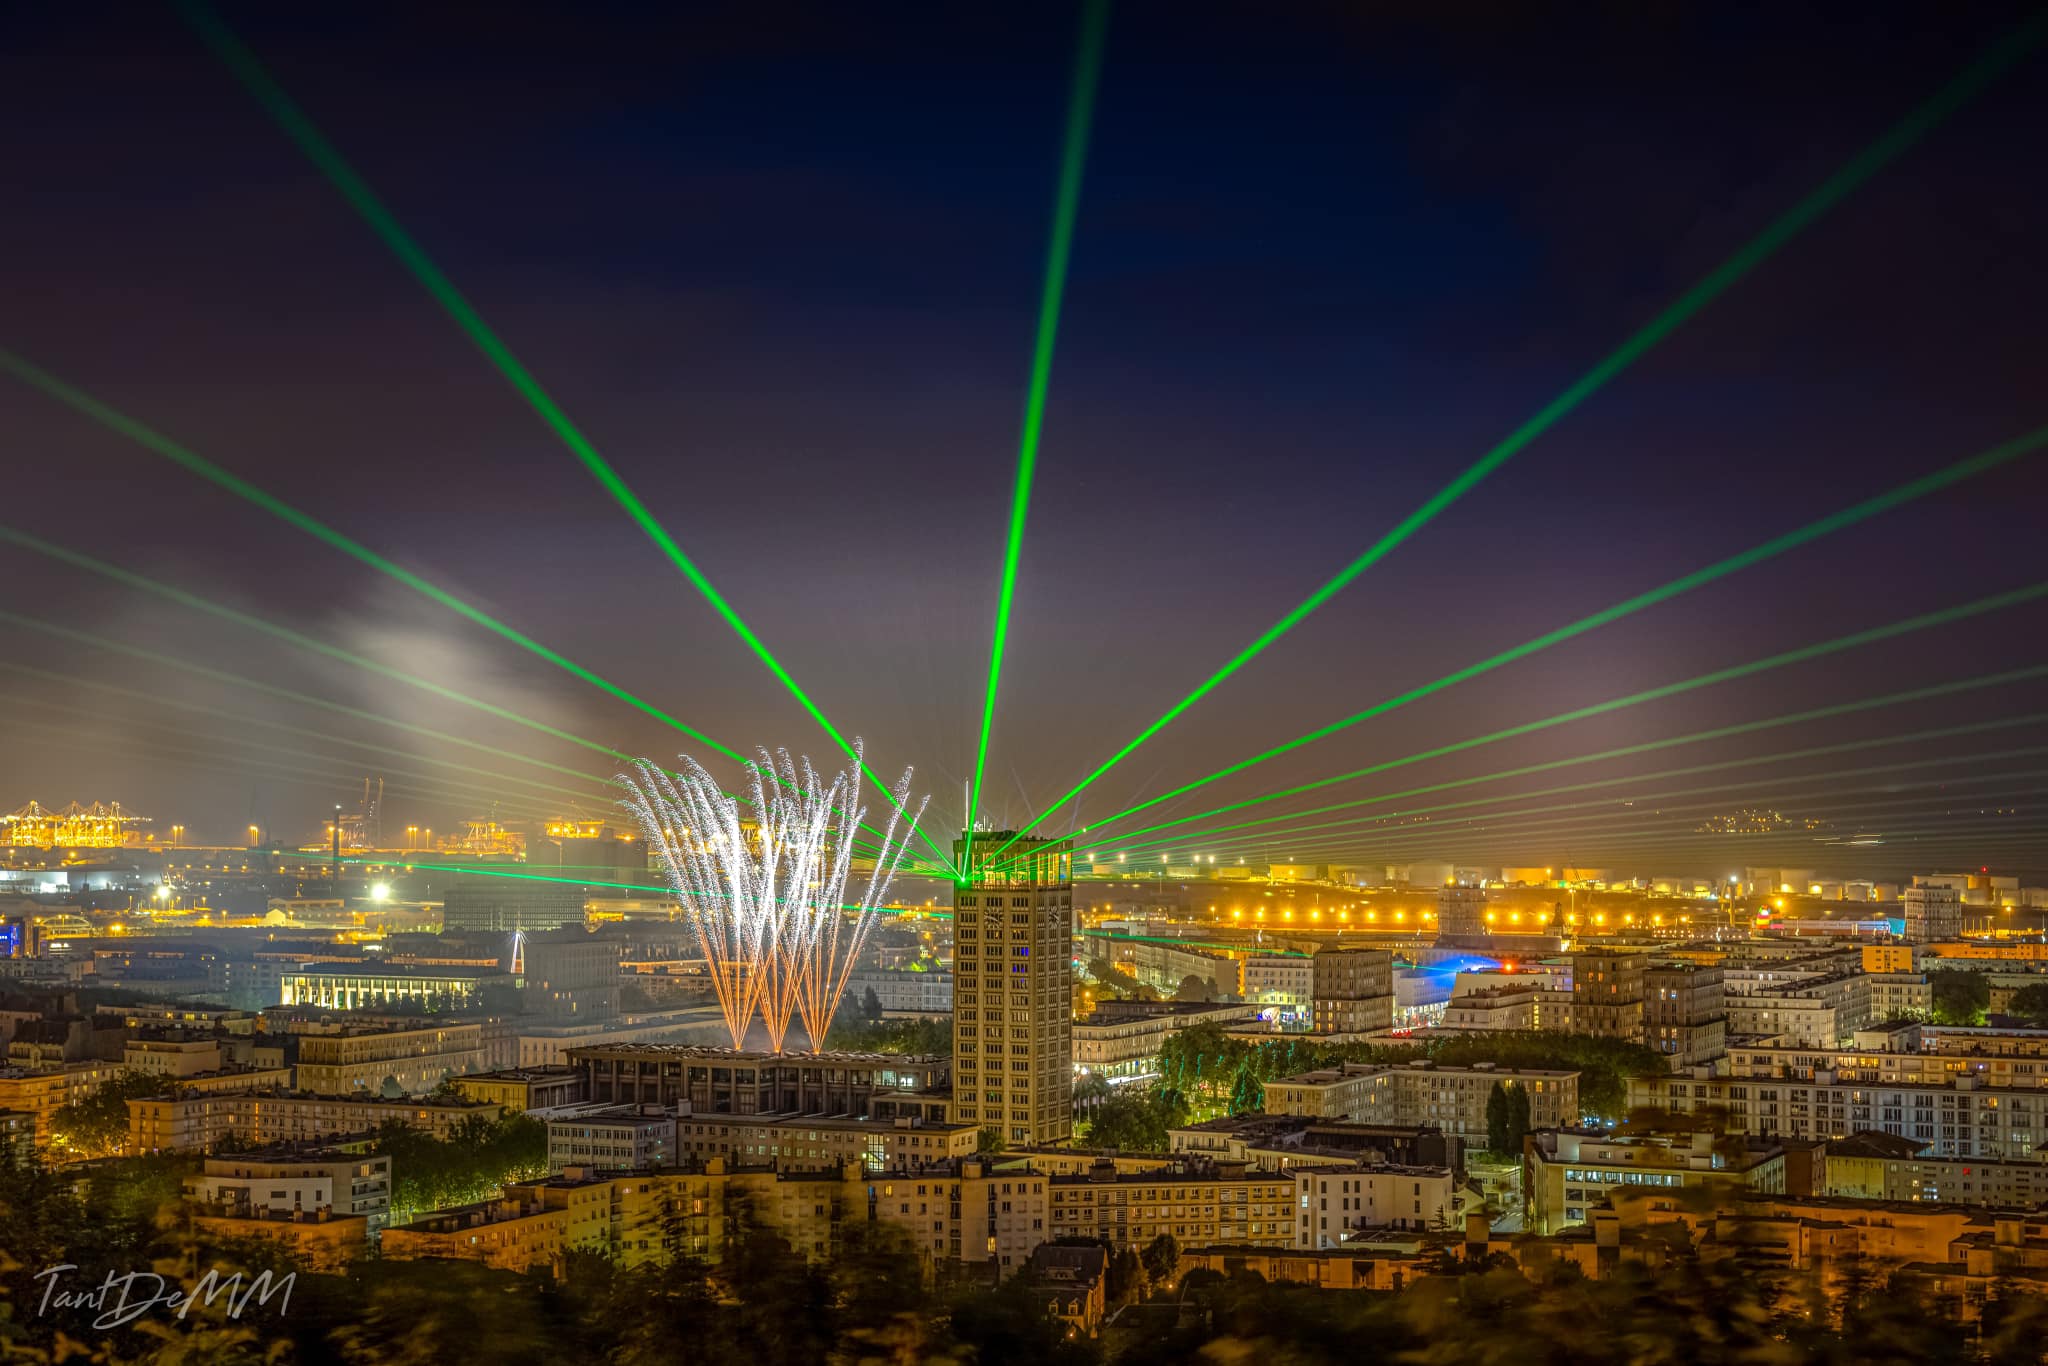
782,265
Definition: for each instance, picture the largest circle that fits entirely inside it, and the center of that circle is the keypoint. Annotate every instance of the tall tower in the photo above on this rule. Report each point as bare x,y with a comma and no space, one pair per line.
1013,987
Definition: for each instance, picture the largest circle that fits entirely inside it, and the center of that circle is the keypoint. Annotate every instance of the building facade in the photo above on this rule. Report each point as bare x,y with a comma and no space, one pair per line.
1013,931
1352,990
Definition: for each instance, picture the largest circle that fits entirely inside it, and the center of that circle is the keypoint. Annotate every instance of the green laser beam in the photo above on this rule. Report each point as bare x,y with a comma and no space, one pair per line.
270,689
185,598
1783,756
1760,248
1073,158
81,402
1300,838
1983,462
159,588
1719,675
1419,831
299,127
1587,816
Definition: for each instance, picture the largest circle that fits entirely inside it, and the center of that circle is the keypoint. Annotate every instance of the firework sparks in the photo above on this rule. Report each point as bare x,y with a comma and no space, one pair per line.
767,894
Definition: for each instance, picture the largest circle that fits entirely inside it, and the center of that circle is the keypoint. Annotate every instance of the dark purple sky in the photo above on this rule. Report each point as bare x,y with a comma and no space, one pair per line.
782,263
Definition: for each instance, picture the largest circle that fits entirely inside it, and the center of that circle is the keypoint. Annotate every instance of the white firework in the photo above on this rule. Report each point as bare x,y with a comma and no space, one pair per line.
767,893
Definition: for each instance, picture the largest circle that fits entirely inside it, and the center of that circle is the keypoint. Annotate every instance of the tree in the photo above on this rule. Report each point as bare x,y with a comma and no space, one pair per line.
2029,1003
871,1006
1136,1121
1497,1119
1161,1258
1960,996
473,1163
1193,988
634,997
98,1125
990,1141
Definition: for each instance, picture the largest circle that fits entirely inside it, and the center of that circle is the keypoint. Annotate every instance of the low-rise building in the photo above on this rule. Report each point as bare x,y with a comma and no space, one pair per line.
1881,1166
1453,1099
197,1123
1282,1142
400,1058
901,991
1338,1202
172,1055
1194,1202
1959,1118
1073,1282
967,1211
813,1142
611,1137
524,1088
1493,1009
1123,1038
286,1182
1567,1172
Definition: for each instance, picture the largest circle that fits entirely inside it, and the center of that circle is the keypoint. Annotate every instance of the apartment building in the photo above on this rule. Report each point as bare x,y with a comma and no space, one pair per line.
967,1211
1493,1009
1334,1203
1881,1166
525,1088
292,1182
1684,1012
43,1091
1013,965
409,1058
1123,1038
725,1081
818,1141
197,1123
1452,1099
1567,1172
1283,983
1962,1118
611,1137
1193,1201
1352,991
172,1055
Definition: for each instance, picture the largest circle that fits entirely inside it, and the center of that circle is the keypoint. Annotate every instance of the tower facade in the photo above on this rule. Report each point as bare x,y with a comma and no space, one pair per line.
1934,915
1013,987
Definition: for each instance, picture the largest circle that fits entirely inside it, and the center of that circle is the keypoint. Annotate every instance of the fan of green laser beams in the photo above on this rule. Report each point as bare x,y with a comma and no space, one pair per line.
1074,155
243,720
80,401
296,125
304,699
1981,463
1860,168
1925,621
153,441
128,578
159,588
1300,836
1588,821
1720,732
1782,756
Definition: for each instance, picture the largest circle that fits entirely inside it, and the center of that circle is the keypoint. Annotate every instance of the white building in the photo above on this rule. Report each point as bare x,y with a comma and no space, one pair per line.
611,1137
1334,1202
280,1181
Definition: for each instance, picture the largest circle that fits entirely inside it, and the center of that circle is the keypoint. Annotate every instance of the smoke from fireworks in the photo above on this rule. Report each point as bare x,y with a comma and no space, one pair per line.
767,892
